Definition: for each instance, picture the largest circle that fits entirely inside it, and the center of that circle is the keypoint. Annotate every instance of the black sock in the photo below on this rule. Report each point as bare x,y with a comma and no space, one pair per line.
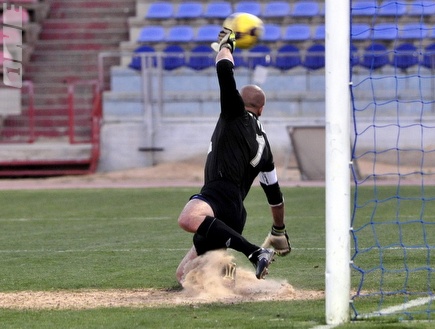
217,231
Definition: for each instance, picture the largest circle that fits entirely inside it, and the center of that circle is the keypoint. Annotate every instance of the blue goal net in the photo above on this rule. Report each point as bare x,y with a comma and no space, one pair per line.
393,111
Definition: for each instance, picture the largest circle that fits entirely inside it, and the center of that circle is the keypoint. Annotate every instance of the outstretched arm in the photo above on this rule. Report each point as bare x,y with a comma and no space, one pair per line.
225,53
277,237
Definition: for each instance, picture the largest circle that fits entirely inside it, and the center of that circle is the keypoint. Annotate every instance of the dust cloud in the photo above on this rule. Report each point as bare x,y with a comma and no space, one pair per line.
204,281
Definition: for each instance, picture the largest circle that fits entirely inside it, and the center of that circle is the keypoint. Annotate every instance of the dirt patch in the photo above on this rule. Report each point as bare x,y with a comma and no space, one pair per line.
203,284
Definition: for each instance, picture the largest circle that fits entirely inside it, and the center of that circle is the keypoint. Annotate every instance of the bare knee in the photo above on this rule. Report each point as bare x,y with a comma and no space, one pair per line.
185,221
193,215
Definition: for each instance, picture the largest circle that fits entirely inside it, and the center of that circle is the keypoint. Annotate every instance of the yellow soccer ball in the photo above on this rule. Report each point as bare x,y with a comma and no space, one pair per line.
247,27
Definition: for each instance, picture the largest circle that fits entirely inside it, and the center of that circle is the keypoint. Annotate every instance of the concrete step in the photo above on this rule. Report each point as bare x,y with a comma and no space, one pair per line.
58,5
92,12
84,34
62,45
44,151
83,23
42,67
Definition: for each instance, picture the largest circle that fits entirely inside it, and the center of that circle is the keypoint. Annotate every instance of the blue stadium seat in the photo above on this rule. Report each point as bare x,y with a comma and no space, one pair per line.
375,56
413,31
160,10
297,32
207,33
392,8
261,56
314,57
272,33
151,33
239,59
360,31
276,9
405,56
354,57
287,57
136,61
250,7
364,8
174,57
429,57
422,8
180,33
306,9
319,32
189,10
202,57
385,31
218,9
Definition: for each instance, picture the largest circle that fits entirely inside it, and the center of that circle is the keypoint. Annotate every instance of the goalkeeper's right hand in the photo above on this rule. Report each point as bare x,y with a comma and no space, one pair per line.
227,39
278,239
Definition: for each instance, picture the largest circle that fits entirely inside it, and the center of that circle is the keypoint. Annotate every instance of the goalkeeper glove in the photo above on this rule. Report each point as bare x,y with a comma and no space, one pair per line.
278,239
227,39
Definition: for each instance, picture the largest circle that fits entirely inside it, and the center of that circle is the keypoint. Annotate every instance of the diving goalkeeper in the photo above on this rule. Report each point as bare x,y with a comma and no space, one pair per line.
239,151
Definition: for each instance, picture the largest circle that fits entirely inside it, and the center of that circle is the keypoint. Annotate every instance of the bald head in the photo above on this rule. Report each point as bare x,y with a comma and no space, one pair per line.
254,98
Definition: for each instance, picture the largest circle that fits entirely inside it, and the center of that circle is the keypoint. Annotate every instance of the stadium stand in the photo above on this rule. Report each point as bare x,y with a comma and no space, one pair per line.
306,9
250,7
202,57
207,33
56,130
385,31
217,10
315,57
421,8
392,8
375,56
413,31
272,33
176,59
65,37
154,33
276,9
363,8
405,56
179,34
428,60
160,11
360,31
259,56
189,10
287,57
297,32
136,61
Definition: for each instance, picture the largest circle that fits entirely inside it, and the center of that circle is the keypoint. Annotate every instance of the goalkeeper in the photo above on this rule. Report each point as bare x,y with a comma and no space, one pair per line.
239,151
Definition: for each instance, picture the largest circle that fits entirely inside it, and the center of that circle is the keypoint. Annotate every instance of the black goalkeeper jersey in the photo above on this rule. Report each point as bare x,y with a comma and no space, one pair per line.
239,149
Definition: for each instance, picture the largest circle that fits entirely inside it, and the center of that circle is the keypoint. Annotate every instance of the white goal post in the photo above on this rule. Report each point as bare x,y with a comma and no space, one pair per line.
337,160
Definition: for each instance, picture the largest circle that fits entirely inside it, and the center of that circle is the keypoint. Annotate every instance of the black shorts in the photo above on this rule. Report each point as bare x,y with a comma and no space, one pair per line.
227,204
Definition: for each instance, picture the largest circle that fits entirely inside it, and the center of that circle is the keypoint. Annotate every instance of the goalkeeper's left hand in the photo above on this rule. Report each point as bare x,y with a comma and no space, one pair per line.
226,38
278,239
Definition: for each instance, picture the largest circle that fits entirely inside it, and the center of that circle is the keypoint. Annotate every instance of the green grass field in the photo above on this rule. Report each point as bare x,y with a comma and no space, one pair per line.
105,239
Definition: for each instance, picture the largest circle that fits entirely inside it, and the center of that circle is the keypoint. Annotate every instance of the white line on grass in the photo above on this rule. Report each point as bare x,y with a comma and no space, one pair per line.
326,326
399,308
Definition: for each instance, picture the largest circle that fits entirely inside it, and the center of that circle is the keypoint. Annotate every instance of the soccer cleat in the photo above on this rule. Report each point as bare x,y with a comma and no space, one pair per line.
261,259
229,275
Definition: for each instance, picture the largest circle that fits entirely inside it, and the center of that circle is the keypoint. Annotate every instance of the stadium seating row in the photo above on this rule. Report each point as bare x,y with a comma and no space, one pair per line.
293,32
374,56
274,9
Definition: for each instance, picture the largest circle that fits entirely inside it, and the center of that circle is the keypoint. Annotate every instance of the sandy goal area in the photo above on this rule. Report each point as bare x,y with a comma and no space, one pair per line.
203,284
